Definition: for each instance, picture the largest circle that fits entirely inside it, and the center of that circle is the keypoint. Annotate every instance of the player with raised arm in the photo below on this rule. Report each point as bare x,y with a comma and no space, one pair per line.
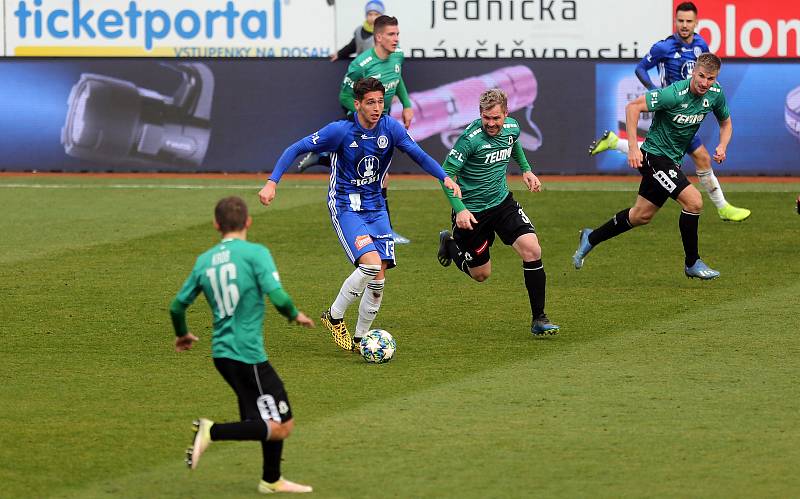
362,147
479,163
234,276
678,111
676,57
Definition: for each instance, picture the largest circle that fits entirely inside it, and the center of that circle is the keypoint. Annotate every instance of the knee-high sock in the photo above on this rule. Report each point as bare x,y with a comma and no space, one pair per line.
688,223
352,287
709,181
271,450
369,306
535,280
254,429
618,224
457,256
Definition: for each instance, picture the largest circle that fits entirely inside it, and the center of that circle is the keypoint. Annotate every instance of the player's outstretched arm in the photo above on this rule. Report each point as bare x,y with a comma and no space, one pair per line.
283,303
303,320
267,193
184,339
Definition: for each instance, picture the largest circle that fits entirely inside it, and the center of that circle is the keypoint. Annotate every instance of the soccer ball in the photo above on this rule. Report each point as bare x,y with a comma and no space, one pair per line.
377,346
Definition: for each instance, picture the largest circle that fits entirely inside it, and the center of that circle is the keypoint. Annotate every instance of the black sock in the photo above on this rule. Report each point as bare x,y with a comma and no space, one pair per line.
535,280
618,224
272,451
385,194
688,223
457,256
242,430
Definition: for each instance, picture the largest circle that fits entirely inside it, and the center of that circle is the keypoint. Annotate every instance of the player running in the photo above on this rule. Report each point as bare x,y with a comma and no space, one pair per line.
479,163
675,57
677,111
362,153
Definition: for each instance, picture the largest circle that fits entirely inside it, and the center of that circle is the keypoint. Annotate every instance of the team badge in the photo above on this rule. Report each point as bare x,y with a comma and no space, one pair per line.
511,140
705,103
283,407
383,141
362,241
396,68
368,166
697,51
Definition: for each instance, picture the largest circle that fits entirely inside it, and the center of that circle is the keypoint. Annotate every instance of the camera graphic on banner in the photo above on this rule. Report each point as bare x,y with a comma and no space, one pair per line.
115,121
446,109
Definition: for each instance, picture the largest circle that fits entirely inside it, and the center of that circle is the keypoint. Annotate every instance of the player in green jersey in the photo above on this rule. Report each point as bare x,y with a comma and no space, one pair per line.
678,111
384,61
479,162
234,276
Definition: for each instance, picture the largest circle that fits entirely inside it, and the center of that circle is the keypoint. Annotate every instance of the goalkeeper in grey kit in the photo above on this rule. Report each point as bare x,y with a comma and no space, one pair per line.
478,162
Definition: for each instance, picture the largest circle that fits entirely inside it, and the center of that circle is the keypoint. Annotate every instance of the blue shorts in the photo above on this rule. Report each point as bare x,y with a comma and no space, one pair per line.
694,144
360,232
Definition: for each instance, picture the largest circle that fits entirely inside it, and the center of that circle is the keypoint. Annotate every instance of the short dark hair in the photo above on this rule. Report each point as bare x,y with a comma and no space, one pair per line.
686,6
231,214
365,85
382,21
709,61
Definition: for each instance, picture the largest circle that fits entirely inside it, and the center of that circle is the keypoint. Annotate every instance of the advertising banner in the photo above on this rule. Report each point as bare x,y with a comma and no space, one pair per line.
154,28
239,115
518,28
764,101
744,28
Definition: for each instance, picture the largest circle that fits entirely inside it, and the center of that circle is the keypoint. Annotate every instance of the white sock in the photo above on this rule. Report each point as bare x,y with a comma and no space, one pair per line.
352,287
369,306
709,181
622,146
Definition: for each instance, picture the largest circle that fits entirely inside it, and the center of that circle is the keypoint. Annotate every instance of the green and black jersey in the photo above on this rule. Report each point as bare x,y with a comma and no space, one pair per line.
234,276
678,114
478,162
388,71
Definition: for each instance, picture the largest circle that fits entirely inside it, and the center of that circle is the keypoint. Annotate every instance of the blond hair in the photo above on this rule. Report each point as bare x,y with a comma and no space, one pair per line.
493,97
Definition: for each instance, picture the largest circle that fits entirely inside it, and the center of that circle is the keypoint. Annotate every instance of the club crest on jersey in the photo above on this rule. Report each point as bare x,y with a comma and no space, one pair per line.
697,51
362,241
686,69
396,68
511,140
383,141
367,169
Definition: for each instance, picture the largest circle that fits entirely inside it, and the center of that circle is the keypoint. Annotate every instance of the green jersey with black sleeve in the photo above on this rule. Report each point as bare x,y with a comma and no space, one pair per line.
677,116
388,71
478,162
234,276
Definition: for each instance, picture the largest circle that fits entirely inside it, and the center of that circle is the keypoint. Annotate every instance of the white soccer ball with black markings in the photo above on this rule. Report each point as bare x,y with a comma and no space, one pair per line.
377,346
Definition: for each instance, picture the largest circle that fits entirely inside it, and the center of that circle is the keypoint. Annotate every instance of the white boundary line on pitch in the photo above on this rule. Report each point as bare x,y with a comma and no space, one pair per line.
553,186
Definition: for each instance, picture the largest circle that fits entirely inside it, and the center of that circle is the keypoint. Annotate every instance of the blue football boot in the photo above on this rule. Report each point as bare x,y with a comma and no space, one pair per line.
701,271
542,325
583,248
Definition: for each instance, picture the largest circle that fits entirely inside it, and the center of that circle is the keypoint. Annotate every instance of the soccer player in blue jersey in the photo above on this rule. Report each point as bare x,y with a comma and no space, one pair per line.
675,57
235,275
362,148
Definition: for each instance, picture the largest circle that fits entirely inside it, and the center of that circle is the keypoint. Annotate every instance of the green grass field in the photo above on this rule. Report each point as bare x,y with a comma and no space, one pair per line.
657,386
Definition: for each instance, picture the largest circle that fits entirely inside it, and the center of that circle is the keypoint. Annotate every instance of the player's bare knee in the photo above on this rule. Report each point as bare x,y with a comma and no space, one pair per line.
480,275
639,217
280,431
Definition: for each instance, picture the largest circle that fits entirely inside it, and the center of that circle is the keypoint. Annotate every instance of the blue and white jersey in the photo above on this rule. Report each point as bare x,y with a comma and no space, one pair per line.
675,59
360,160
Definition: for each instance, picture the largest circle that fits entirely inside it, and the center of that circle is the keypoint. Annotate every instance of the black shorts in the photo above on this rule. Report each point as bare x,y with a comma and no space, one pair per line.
258,388
506,219
662,178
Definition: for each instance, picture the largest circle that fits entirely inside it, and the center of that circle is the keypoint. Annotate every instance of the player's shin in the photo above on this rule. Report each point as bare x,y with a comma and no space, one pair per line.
368,308
710,183
352,288
688,223
535,280
272,451
618,224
